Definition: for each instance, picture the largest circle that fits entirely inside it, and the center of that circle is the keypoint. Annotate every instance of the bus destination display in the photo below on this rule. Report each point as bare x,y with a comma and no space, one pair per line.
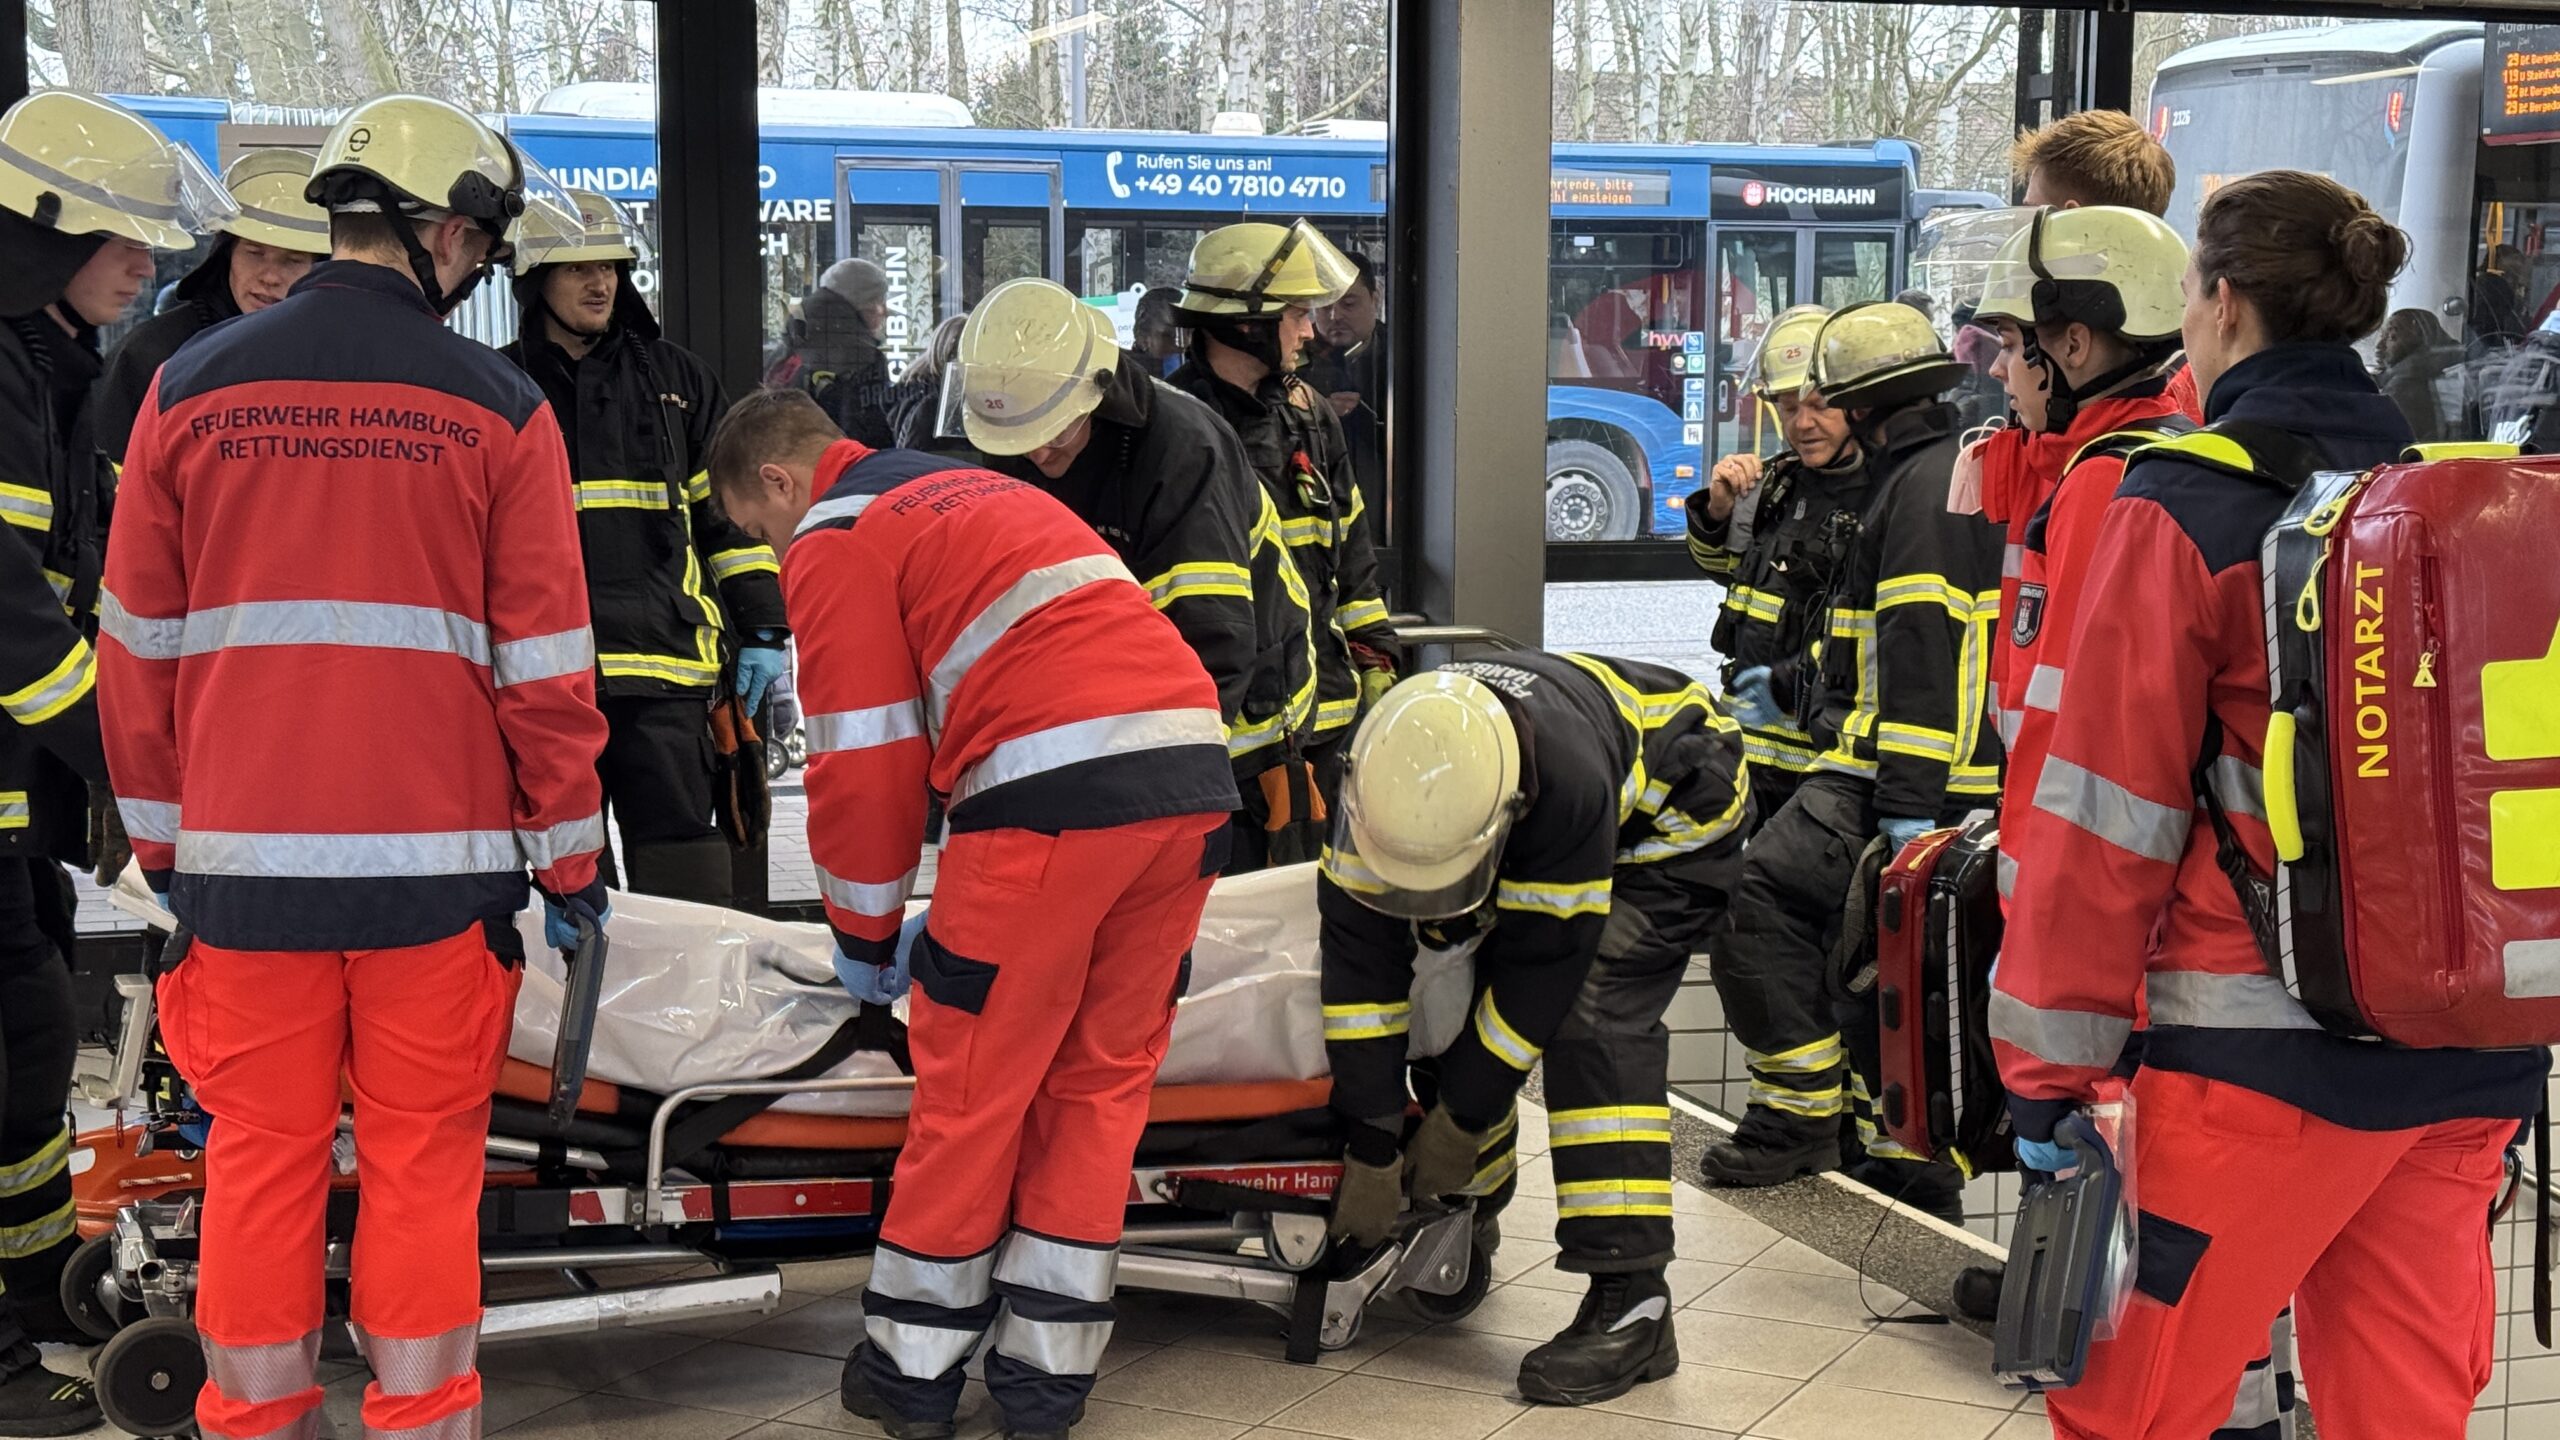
2520,85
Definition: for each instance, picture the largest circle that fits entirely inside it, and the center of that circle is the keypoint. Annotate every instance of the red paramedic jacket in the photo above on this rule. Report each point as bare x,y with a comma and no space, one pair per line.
2124,903
2052,540
966,631
344,670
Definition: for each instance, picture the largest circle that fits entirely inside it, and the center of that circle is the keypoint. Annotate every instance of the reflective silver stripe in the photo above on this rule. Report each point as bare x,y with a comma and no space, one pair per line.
951,1284
24,1175
2013,562
37,509
148,639
67,681
2239,786
1620,1125
2006,871
887,898
1496,1035
336,622
13,809
1044,750
921,1352
2224,1002
1369,1022
263,1374
2083,1038
1077,1272
460,1425
415,1367
2254,1404
1054,1347
2010,721
1613,1197
2111,812
149,819
546,848
312,229
2044,689
863,729
43,1233
1027,594
348,857
543,657
833,508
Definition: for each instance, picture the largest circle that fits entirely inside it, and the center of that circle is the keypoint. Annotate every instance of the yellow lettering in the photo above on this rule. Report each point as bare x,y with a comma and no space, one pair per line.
2373,762
2369,631
2372,722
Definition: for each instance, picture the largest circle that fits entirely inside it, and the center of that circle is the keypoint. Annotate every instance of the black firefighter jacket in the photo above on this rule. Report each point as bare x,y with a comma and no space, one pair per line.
667,572
203,301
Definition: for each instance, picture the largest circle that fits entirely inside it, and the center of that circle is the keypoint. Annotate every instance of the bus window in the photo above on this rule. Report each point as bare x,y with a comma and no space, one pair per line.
1756,280
901,242
1850,268
1000,247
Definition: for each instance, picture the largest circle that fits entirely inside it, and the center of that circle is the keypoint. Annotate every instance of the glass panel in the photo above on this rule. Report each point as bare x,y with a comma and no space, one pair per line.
1850,268
1756,282
997,248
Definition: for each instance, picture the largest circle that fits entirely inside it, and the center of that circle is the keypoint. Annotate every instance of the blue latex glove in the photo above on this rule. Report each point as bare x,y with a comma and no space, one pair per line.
559,931
758,667
1902,831
1752,701
2051,1157
882,984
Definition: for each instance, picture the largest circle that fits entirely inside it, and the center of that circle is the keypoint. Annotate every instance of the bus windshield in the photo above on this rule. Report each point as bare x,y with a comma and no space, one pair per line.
2343,115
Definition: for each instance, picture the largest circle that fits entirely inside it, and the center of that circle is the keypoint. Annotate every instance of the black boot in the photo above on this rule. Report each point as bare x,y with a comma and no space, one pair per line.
862,1400
1620,1338
1921,1184
1978,1291
35,1401
1772,1147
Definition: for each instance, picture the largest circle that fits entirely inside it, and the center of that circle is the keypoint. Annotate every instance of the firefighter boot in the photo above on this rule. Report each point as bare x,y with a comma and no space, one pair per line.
1771,1147
1620,1338
860,1399
1977,1291
36,1401
1929,1185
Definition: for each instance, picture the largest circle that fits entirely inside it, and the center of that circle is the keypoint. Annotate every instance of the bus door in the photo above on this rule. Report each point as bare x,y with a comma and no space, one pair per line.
946,232
1760,273
1854,266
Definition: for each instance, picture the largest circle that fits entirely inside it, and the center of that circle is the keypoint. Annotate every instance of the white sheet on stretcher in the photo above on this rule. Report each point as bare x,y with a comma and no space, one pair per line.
695,994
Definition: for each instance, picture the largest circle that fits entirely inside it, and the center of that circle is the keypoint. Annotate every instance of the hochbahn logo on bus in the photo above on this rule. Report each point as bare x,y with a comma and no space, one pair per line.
1756,193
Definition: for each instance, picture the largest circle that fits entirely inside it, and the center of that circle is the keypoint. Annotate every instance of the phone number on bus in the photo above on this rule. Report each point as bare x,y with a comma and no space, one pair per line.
1245,187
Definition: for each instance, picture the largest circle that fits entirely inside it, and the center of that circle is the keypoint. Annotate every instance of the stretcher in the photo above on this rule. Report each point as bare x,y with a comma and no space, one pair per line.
683,1200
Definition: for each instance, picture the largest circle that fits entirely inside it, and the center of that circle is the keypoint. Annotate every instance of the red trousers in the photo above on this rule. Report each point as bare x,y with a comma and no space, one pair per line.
2380,1237
265,1037
1027,1111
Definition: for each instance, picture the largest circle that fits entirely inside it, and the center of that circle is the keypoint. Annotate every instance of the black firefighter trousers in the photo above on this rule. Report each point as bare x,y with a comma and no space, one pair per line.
38,1043
658,771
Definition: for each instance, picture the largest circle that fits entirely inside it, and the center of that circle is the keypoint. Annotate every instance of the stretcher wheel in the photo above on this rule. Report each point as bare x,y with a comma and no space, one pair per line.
1461,1302
88,1290
148,1376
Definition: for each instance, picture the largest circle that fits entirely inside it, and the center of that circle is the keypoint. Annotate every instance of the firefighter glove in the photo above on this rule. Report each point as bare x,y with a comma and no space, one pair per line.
1751,699
758,667
1443,1158
1903,830
1367,1202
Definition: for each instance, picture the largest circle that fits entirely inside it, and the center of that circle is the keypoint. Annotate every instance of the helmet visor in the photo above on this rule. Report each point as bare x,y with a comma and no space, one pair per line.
1014,410
1953,261
166,197
549,218
1410,887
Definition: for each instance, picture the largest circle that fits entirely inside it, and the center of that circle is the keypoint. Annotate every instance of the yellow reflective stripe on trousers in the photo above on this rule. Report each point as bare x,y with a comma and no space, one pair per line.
1596,1199
1816,1103
1609,1125
728,565
50,1159
621,495
1367,1022
1497,1036
1810,1059
57,690
26,507
36,1236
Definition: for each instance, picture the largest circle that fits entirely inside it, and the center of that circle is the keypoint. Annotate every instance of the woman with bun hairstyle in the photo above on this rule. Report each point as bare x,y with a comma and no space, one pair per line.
2272,1158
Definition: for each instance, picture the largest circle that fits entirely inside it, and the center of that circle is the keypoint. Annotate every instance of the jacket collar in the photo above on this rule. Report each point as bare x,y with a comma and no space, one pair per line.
364,275
2315,389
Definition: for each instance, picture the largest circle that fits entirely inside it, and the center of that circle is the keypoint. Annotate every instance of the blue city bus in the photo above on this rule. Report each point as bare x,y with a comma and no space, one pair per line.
1664,260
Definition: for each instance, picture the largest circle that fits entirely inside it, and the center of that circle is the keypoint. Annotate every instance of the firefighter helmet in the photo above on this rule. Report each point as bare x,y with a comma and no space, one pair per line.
268,185
2112,269
1880,354
80,165
1033,361
1431,789
605,233
1256,270
416,155
1786,352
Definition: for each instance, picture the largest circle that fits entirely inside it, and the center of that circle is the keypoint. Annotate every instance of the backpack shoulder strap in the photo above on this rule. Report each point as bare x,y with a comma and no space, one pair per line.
2122,444
2460,450
2251,451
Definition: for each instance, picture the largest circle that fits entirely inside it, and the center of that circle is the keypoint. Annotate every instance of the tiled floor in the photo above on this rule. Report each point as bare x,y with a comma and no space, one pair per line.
1778,1342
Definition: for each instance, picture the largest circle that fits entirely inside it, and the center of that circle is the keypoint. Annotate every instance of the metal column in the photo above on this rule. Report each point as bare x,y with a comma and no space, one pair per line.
712,258
1468,196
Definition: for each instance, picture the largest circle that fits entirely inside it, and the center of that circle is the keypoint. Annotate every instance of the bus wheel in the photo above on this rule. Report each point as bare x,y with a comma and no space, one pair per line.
1591,495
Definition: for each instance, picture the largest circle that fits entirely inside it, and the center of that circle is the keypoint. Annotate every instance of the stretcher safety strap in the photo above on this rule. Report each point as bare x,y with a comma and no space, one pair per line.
1596,1199
1367,1022
149,819
872,901
1073,744
1057,1267
1610,1125
57,690
865,729
543,657
1025,595
263,1374
145,637
2085,1039
2224,1002
1497,1036
2111,812
546,848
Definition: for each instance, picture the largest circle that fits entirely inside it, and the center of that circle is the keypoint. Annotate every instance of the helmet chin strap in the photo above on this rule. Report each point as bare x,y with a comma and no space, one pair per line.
1259,338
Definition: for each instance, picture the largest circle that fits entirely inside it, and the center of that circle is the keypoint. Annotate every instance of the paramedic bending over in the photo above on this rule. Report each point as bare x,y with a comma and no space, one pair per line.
2274,1159
964,630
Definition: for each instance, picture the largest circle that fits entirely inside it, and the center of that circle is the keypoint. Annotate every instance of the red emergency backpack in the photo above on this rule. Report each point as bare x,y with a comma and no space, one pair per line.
2412,767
